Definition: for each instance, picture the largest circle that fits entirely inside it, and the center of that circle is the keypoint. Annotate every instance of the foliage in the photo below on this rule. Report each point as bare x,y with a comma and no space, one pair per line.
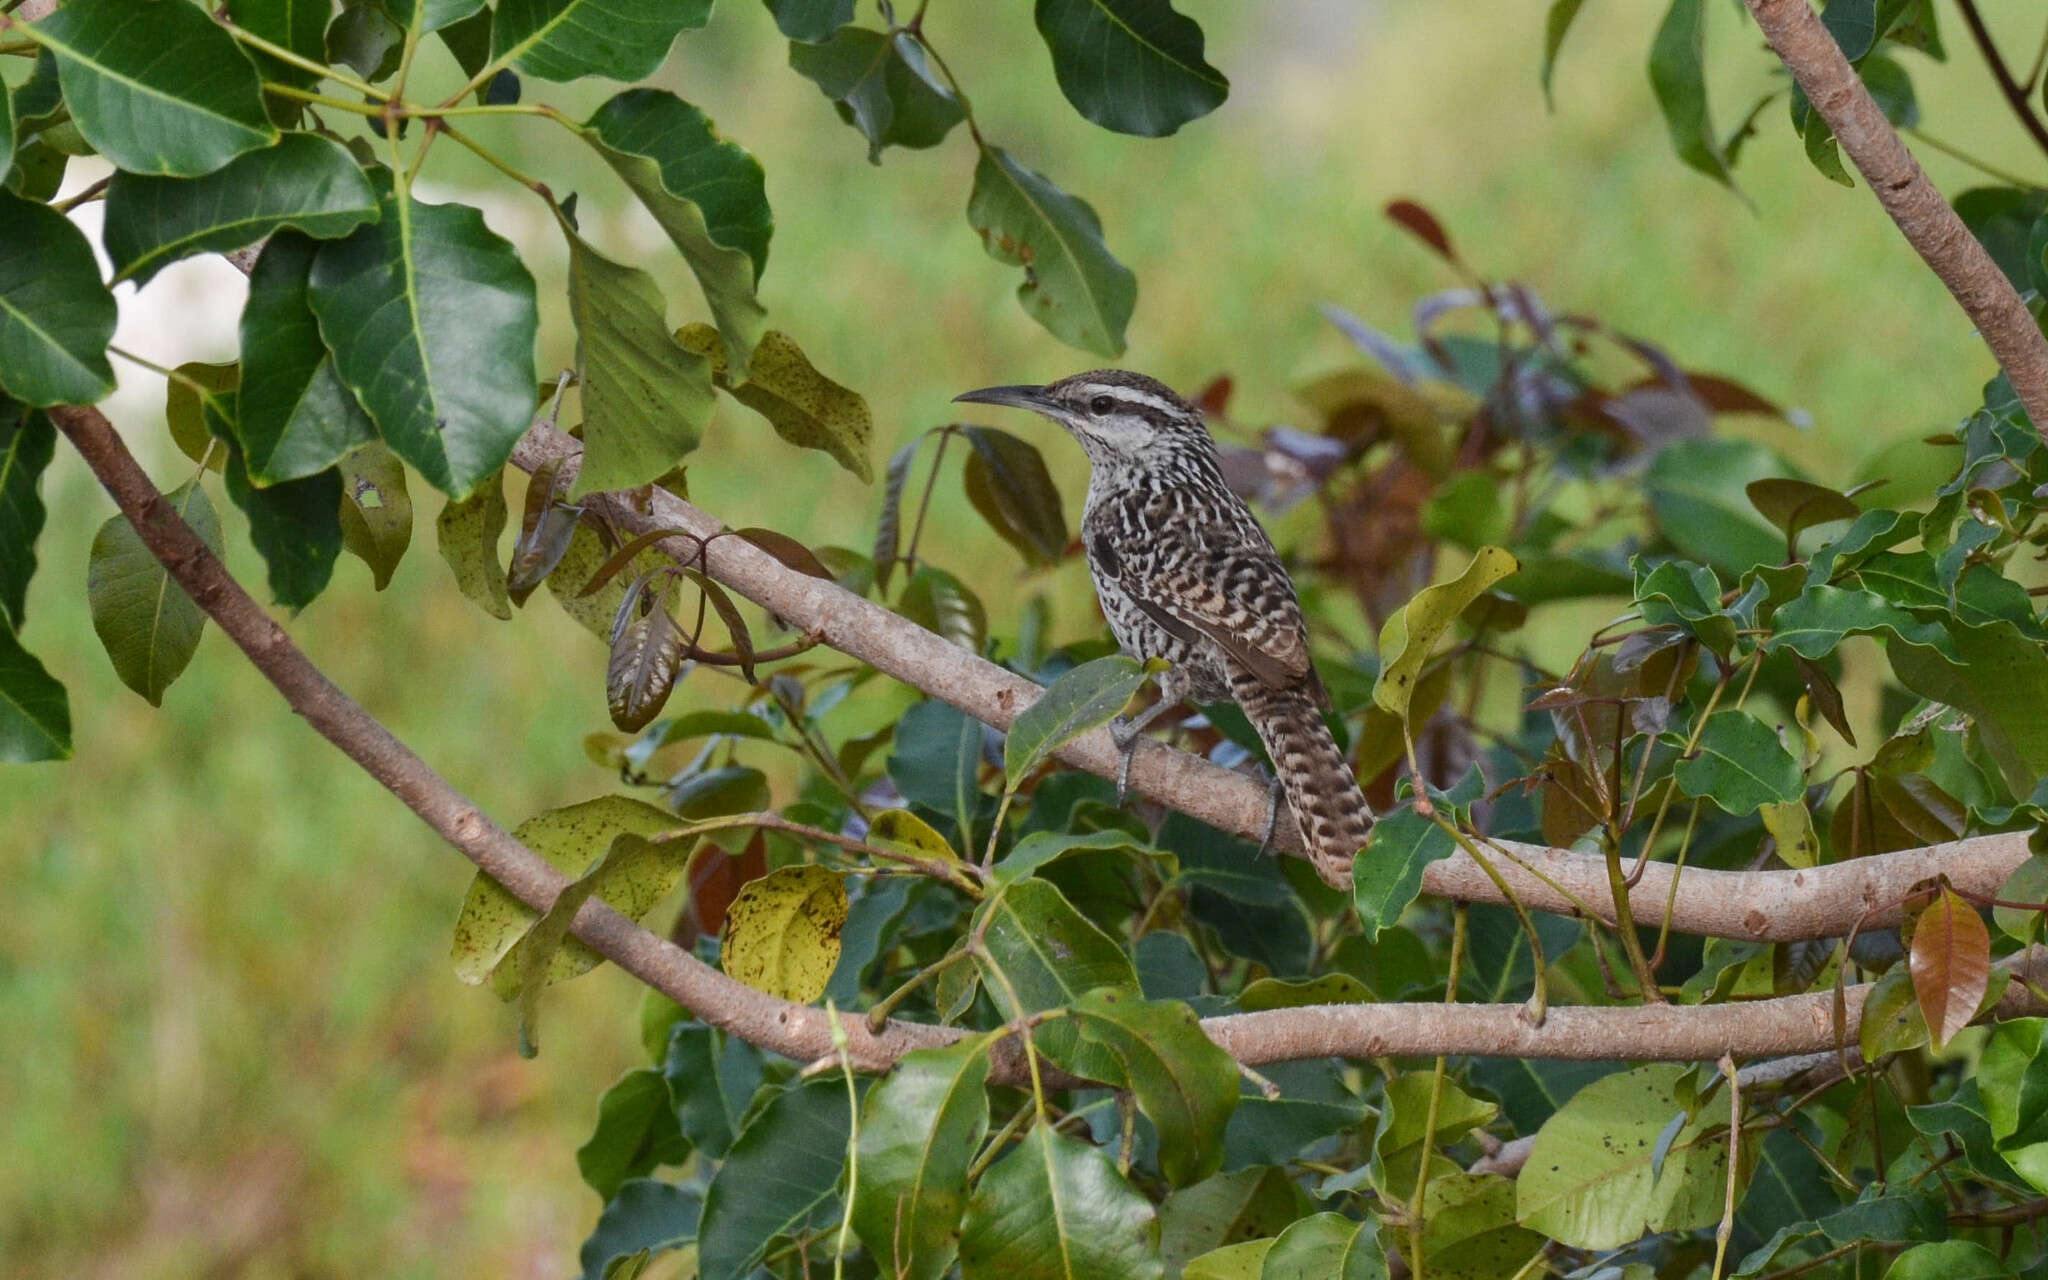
1542,459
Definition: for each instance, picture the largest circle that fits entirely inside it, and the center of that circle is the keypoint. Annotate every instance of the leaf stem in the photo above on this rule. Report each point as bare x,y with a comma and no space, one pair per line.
297,94
878,1013
1436,1095
931,481
483,153
839,1045
321,69
996,1144
93,192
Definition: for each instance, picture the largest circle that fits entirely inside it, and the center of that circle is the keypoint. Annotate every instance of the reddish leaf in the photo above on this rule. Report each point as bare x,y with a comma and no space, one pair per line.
793,554
1725,395
716,877
1951,964
1422,224
1215,398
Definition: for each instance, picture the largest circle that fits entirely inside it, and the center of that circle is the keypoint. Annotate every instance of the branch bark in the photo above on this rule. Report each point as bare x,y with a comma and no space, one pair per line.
1794,1024
1923,216
1763,906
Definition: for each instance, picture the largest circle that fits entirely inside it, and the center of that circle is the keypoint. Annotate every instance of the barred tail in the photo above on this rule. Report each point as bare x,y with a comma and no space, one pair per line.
1329,808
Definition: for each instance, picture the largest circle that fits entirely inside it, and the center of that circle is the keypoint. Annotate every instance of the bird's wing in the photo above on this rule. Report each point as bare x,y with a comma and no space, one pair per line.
1223,580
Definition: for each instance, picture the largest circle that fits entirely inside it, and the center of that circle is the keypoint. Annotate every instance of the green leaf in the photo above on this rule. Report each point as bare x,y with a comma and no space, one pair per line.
468,532
1387,874
1948,1260
882,86
304,181
643,1214
6,133
1042,848
782,1166
920,1129
646,399
149,626
1131,66
56,318
1557,23
155,88
1740,765
431,318
1698,492
1085,698
296,525
35,715
1328,1245
524,971
811,21
1796,505
1055,1208
1072,285
427,16
707,194
297,417
1678,77
569,39
1414,629
712,1078
1008,484
805,407
199,408
297,25
1592,1180
1313,1104
1283,993
571,839
1470,1231
376,510
1037,947
364,39
942,604
1412,1126
1243,1261
1870,533
782,932
1813,625
1227,1209
1183,1083
2002,683
1687,596
636,1131
28,440
937,758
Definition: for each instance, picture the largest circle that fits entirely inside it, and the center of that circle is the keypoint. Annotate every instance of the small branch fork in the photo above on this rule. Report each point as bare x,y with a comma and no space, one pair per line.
1923,216
1793,1024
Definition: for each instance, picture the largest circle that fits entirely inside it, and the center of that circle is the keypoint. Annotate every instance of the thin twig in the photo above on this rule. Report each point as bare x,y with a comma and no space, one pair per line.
2014,92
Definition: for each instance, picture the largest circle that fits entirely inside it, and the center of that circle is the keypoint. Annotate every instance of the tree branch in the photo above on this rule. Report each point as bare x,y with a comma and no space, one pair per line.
2015,93
1764,906
1923,216
1793,1024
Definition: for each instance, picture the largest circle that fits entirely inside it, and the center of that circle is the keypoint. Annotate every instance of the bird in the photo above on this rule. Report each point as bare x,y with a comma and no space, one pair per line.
1186,573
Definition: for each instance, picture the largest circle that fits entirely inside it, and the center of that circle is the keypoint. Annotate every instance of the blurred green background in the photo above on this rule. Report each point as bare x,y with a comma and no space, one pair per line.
235,1047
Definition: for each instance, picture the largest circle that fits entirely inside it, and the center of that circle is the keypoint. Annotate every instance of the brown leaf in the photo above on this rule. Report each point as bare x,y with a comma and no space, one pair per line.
1951,964
735,625
1422,224
716,877
1725,395
544,532
793,554
642,671
1214,399
1827,699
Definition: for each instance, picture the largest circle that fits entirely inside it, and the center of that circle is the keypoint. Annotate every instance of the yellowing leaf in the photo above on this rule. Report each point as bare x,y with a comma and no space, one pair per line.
1408,636
782,932
804,406
903,830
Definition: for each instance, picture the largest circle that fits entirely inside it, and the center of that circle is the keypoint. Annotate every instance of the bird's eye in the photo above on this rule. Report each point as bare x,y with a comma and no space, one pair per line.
1101,405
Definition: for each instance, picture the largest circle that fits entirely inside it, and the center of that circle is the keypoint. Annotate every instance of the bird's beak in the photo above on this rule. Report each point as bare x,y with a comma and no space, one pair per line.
1019,397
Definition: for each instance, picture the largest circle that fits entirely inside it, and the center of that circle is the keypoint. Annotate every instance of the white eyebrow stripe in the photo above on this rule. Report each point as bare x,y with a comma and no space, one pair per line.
1132,395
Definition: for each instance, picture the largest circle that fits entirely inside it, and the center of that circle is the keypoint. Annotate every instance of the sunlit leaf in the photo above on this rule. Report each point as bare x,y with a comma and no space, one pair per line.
1413,630
782,932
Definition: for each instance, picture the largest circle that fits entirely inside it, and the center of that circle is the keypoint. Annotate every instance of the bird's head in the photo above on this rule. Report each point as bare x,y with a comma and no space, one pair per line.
1119,417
